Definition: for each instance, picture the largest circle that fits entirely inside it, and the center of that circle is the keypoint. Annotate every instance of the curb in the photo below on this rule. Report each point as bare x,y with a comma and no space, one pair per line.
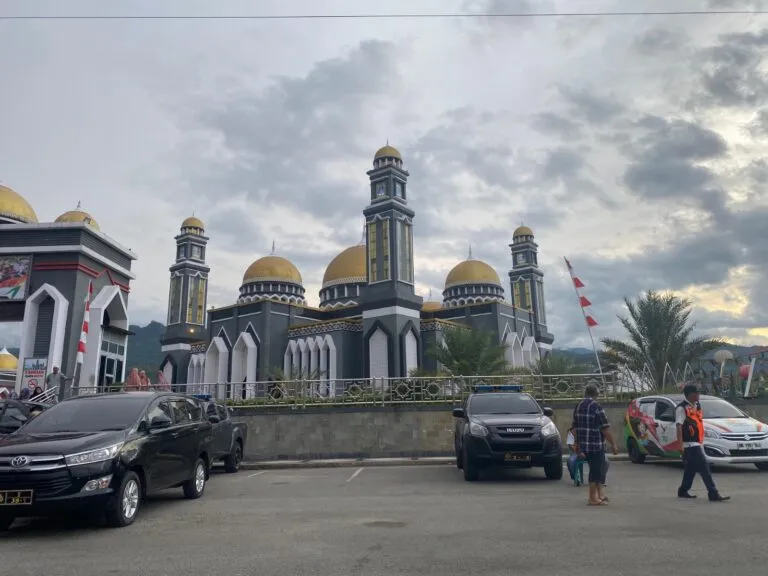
367,463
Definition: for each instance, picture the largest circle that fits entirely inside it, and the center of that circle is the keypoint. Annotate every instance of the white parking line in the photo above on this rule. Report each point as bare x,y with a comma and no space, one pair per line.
355,475
256,474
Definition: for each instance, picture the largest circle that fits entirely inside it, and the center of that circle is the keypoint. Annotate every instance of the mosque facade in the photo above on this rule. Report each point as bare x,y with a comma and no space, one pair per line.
370,323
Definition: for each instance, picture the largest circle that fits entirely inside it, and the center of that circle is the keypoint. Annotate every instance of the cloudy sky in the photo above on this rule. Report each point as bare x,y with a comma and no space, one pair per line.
635,146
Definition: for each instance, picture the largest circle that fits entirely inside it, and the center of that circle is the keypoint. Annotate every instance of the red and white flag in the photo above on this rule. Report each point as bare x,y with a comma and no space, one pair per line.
84,330
583,300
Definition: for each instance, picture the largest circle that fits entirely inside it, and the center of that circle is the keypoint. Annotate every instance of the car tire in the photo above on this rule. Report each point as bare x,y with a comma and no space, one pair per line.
554,470
124,504
635,456
459,461
762,466
195,486
232,462
471,469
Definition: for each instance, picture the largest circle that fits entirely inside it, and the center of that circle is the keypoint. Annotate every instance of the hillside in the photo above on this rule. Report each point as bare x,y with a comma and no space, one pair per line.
144,348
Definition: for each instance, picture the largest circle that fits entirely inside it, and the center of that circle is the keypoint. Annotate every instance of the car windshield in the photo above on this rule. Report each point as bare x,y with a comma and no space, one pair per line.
89,415
503,404
716,408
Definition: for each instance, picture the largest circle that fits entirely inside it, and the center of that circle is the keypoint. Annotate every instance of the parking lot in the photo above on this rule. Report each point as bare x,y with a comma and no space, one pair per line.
415,520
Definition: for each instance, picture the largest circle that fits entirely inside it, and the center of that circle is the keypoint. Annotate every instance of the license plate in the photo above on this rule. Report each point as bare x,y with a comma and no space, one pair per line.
15,497
510,457
749,445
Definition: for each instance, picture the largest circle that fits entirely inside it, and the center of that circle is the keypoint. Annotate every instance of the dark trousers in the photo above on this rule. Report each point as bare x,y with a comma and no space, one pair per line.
695,462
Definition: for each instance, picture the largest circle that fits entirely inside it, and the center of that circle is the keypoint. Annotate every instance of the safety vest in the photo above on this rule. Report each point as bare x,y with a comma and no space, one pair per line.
693,425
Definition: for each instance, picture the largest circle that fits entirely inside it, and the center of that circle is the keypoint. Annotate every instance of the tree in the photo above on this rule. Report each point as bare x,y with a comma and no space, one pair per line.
554,364
467,352
660,332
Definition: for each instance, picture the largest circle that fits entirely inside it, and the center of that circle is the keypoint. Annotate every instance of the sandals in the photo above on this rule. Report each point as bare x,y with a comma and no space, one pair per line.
599,503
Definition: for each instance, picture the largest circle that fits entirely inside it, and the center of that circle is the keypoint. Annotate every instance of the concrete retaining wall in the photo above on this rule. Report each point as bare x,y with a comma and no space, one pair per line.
379,432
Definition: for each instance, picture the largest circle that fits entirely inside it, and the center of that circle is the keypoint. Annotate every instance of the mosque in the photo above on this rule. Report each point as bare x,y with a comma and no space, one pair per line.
370,322
48,270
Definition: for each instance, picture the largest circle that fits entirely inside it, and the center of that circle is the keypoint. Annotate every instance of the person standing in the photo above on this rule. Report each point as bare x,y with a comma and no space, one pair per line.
689,419
60,381
592,432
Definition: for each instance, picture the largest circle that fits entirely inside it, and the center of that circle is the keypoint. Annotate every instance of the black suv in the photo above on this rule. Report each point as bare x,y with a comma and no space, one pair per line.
103,454
507,428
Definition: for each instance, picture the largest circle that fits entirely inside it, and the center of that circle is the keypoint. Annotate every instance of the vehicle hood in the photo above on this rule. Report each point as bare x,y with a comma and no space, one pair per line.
60,443
736,425
502,419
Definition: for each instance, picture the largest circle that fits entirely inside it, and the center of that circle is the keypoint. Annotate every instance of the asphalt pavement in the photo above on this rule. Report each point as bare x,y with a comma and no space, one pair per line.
415,520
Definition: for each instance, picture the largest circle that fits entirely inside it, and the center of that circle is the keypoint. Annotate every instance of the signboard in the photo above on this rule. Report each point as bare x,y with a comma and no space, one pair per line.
14,277
33,373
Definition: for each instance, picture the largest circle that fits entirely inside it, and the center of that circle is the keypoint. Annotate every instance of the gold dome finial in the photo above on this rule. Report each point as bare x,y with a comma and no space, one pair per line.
79,215
274,268
273,248
471,272
193,222
521,231
387,152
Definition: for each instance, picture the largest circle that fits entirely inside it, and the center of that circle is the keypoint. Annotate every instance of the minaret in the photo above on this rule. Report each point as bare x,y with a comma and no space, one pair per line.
391,308
188,294
527,282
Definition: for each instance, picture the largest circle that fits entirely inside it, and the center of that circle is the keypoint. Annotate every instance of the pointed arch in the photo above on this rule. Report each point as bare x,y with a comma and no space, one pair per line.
378,342
410,348
289,358
244,362
170,369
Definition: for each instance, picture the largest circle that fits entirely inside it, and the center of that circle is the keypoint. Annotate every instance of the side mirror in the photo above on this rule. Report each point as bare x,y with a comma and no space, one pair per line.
458,412
548,412
160,422
213,419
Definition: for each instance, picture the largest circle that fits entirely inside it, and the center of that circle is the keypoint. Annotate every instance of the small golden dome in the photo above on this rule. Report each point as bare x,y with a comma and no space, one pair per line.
193,222
387,152
14,207
522,231
272,268
431,306
8,361
78,215
347,267
471,272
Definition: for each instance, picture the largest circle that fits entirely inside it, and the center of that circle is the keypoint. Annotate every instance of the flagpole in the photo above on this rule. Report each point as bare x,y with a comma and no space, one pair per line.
586,322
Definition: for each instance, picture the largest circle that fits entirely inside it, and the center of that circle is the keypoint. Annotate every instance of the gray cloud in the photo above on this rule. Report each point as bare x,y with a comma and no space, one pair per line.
658,40
557,125
594,108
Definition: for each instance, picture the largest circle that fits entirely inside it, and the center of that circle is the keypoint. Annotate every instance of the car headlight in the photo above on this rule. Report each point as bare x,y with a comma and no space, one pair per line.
549,429
712,434
477,429
93,456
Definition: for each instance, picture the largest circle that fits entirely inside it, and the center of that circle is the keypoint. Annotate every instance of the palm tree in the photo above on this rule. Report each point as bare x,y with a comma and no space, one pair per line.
660,334
467,352
554,364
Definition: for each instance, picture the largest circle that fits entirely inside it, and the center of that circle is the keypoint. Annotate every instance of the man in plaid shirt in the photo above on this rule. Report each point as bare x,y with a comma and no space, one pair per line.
592,430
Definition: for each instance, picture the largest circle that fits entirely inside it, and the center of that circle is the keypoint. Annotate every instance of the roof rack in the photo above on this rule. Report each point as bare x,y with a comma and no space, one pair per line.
498,388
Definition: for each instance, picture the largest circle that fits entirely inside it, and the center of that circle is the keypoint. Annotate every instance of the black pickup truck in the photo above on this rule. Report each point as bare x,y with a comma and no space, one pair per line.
228,437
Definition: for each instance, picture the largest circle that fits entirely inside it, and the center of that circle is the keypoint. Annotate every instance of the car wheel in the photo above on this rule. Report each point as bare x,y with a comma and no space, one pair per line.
195,486
232,462
459,462
762,466
124,505
635,455
554,470
471,469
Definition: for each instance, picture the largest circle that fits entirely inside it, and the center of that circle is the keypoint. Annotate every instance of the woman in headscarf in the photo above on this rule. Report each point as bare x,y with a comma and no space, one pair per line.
145,382
38,391
133,382
161,382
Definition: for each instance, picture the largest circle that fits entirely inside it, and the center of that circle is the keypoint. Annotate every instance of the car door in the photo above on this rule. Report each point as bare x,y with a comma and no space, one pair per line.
186,420
159,448
647,428
224,435
665,426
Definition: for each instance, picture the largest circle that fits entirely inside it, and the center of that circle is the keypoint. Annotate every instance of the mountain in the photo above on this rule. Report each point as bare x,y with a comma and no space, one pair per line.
144,348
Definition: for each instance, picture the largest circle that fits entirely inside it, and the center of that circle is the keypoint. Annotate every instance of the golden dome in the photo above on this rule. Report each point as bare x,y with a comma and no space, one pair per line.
78,215
387,152
272,268
347,267
193,222
522,231
13,206
431,306
7,360
471,272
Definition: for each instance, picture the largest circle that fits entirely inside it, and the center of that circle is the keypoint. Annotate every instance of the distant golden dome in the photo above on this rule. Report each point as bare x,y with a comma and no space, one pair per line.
193,222
14,207
387,152
347,267
471,272
78,215
8,361
272,268
522,231
431,306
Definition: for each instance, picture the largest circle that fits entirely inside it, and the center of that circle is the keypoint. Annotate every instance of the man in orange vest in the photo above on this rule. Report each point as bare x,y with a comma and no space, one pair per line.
690,434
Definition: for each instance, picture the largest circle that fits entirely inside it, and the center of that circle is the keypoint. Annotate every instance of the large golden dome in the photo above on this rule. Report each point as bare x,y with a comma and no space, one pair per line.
8,361
78,215
387,152
272,268
522,231
14,207
347,267
431,306
193,222
471,272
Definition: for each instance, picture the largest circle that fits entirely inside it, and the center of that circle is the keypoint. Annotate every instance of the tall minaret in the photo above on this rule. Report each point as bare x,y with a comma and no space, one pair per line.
391,308
189,290
527,282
